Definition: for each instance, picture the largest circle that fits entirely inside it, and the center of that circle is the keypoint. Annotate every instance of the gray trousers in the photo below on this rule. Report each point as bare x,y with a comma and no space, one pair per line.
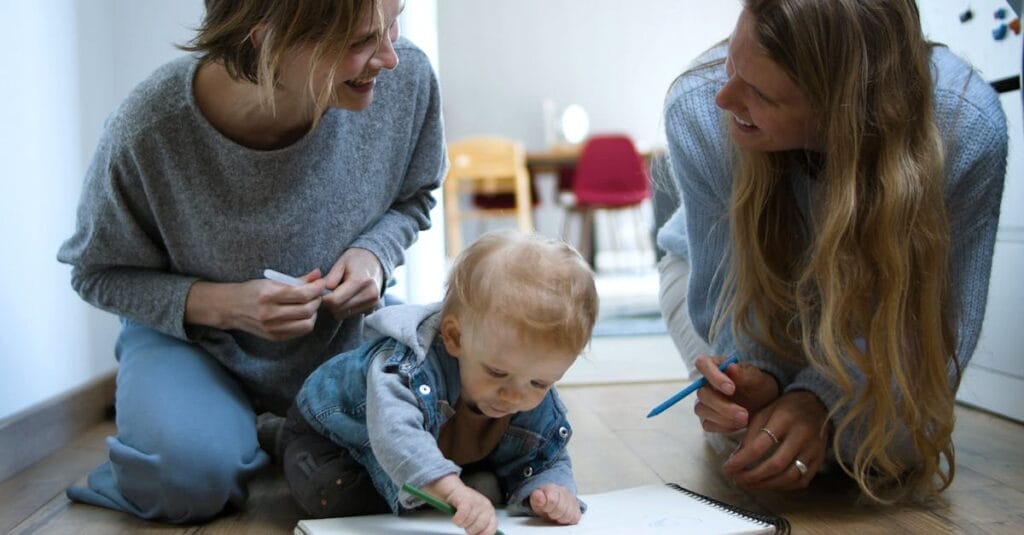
186,434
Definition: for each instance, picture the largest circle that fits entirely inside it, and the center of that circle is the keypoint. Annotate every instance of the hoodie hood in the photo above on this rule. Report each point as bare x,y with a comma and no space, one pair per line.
414,326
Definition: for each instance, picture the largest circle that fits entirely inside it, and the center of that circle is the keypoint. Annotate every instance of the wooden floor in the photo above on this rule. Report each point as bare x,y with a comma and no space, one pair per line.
614,447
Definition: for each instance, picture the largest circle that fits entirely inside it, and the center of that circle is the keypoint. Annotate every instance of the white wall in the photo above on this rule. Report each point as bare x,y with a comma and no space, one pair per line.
616,58
421,279
66,65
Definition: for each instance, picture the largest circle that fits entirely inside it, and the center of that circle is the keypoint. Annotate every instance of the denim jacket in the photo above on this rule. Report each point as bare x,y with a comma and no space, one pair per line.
386,401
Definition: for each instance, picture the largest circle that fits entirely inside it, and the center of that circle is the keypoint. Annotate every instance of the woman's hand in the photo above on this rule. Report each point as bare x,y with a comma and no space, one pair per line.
783,437
730,397
265,308
555,503
355,281
473,511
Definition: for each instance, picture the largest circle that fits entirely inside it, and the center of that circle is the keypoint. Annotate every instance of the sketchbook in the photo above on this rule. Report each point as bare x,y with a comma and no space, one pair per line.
650,509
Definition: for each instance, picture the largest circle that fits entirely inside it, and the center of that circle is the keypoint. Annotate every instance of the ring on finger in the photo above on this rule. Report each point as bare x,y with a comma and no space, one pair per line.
800,466
771,435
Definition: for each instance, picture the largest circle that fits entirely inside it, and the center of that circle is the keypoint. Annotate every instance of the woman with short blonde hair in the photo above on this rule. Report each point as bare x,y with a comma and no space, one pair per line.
302,136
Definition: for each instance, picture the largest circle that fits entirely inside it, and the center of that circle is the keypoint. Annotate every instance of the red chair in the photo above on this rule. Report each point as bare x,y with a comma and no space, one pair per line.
610,175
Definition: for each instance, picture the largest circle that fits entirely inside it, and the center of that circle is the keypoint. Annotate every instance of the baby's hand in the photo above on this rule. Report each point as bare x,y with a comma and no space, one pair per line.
473,511
555,503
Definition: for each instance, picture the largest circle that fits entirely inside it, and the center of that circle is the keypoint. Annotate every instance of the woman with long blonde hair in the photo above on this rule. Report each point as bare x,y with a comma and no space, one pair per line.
841,179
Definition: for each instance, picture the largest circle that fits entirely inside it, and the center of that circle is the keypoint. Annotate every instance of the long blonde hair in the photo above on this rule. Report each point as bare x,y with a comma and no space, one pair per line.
865,291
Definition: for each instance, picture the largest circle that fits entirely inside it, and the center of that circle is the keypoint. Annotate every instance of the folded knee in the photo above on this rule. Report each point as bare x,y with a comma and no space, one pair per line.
184,486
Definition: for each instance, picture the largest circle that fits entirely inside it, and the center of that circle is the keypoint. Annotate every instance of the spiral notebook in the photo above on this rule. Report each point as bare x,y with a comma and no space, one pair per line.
650,509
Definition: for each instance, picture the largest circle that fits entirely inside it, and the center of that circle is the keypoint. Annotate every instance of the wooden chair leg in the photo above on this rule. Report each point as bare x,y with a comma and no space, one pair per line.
524,203
617,244
645,245
452,220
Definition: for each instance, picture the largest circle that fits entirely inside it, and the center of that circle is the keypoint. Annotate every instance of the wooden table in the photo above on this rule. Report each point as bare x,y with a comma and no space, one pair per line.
553,159
558,157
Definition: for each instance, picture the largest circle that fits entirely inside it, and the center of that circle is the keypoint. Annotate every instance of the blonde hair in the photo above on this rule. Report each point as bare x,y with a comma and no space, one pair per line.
327,27
876,266
540,287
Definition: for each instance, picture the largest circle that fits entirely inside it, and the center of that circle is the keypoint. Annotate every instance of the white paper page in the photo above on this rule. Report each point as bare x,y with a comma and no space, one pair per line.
651,509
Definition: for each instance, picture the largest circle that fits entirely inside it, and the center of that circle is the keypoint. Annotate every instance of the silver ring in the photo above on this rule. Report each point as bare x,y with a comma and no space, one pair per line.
774,438
800,466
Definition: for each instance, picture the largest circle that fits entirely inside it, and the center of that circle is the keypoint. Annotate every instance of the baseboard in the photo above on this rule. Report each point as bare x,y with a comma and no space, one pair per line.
994,391
32,434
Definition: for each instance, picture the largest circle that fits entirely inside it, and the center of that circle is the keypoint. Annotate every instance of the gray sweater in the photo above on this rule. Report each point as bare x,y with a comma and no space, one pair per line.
168,201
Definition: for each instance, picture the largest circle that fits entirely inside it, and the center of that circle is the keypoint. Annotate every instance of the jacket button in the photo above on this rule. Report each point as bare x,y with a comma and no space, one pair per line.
424,389
528,471
563,432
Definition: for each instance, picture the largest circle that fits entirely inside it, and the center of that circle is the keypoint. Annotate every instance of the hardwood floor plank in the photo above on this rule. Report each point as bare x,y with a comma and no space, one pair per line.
601,461
990,445
22,495
992,509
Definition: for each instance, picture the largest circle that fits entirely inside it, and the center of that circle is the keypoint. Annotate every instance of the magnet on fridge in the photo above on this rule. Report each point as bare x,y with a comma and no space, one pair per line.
966,15
1015,26
999,32
1000,13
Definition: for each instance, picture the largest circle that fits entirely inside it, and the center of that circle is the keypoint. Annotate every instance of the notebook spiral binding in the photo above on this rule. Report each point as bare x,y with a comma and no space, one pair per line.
780,524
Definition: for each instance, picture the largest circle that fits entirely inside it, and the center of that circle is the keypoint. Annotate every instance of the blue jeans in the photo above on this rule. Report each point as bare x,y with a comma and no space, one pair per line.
186,433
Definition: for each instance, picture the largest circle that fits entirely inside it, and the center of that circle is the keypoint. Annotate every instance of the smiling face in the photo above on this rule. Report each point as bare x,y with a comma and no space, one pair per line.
767,110
500,373
356,71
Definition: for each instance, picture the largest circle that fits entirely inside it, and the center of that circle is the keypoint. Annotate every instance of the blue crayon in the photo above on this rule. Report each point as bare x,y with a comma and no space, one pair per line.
694,386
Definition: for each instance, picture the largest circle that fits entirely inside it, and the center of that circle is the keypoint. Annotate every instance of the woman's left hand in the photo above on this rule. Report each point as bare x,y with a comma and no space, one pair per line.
355,282
785,436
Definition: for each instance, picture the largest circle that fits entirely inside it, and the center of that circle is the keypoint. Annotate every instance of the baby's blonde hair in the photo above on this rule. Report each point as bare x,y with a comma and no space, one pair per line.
539,287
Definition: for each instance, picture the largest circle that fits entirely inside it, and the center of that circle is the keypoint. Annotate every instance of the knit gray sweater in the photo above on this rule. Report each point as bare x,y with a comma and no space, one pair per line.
168,201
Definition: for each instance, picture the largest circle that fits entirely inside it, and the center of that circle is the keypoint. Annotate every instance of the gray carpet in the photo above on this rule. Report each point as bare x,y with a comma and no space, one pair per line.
633,325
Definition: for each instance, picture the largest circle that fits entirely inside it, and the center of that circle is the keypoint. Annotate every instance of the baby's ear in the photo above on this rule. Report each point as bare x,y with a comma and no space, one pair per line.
451,335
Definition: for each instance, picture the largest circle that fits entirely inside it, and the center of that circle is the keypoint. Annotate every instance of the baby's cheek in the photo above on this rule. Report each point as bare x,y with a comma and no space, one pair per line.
533,404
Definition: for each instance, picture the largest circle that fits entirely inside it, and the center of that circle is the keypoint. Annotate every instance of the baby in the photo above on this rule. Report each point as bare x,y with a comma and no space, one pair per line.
453,389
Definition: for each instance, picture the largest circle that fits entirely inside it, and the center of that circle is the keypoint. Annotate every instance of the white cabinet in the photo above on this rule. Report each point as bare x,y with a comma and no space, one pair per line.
994,380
